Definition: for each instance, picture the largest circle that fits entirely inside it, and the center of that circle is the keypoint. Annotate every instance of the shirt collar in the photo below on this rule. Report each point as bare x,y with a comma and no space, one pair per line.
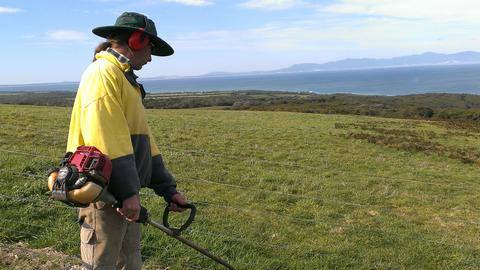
120,57
123,63
110,57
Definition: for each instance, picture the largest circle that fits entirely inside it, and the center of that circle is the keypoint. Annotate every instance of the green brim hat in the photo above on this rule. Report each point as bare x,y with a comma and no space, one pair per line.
131,21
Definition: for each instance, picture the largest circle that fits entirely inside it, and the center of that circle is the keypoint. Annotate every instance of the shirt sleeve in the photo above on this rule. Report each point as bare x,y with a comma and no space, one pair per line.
103,125
162,181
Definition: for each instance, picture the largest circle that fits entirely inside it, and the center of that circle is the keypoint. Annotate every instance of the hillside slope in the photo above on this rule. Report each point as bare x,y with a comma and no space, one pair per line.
274,190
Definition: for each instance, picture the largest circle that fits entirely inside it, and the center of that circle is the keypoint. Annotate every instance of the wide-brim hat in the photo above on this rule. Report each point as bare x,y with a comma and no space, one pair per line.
131,21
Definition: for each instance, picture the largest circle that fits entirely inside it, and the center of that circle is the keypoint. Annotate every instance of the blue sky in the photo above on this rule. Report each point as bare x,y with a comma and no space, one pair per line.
51,41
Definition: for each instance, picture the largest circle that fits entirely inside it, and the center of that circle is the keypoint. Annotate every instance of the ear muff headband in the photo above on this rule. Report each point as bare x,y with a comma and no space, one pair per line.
138,40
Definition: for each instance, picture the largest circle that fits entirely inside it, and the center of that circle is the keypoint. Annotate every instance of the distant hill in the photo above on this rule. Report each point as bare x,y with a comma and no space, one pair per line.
424,59
428,58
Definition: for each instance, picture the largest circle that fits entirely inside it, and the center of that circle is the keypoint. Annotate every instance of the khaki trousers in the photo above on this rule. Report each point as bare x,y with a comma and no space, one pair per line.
107,240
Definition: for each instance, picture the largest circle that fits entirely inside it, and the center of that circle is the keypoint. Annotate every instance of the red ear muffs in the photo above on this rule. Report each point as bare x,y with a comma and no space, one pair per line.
138,40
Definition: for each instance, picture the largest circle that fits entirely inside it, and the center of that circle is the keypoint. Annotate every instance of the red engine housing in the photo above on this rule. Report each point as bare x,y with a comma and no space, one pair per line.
88,159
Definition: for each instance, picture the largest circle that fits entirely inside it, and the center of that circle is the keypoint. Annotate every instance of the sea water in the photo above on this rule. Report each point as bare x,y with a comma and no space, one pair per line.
384,81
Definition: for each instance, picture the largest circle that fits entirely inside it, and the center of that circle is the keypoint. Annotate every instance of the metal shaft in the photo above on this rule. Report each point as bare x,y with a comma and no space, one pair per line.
190,244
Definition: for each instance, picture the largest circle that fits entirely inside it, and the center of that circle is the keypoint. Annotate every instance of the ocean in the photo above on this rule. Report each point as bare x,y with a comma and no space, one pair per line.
385,81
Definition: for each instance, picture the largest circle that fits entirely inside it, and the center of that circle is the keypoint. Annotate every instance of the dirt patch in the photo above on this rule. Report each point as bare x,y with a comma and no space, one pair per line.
18,256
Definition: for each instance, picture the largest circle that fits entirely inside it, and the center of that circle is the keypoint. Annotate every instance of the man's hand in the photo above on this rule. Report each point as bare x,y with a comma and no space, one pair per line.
130,208
177,200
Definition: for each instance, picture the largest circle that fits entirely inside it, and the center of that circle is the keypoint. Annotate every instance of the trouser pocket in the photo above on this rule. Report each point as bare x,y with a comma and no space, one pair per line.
87,242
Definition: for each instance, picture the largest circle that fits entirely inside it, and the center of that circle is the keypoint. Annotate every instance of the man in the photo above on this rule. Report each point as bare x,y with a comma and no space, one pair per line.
108,113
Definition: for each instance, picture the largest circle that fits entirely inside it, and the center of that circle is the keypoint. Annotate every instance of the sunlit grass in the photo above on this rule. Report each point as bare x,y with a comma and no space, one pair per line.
274,190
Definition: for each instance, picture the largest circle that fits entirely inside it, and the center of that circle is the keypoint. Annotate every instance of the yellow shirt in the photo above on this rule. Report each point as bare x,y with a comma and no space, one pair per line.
108,113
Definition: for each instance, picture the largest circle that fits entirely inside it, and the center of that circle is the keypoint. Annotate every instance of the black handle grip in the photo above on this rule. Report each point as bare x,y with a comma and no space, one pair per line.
144,215
177,231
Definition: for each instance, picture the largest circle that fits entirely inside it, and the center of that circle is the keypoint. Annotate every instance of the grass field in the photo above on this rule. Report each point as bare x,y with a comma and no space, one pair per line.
274,190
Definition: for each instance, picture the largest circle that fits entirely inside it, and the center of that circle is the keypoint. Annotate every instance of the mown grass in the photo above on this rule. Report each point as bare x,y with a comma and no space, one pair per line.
274,190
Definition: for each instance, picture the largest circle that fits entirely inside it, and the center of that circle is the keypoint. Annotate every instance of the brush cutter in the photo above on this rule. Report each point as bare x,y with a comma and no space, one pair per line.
83,177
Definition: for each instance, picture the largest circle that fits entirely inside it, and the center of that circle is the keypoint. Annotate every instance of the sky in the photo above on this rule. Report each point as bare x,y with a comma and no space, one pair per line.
51,41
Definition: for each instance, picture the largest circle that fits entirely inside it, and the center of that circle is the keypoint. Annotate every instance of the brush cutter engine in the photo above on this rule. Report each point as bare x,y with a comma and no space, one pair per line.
81,178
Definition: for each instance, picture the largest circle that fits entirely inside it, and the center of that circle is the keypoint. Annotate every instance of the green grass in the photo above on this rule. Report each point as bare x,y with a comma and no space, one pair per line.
274,190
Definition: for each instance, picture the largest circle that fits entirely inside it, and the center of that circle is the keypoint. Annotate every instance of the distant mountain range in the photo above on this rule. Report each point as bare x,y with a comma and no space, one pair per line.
424,59
428,58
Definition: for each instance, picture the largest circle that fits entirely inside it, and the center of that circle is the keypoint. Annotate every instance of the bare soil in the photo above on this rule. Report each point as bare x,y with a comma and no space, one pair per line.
18,256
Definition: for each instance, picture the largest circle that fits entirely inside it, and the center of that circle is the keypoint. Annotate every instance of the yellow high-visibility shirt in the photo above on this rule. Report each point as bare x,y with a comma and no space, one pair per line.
108,113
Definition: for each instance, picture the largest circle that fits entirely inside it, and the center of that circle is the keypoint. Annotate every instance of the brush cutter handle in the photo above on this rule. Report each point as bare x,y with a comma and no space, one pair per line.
108,198
177,231
144,215
173,232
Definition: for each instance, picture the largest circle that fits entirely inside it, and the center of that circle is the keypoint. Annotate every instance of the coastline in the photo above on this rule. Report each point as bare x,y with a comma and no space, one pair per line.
431,106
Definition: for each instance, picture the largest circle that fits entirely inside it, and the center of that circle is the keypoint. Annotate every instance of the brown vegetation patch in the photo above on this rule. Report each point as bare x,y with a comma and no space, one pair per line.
410,140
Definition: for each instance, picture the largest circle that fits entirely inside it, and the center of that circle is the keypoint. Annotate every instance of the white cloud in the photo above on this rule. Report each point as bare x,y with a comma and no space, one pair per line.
9,10
271,4
432,10
264,39
191,2
65,35
354,37
379,28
